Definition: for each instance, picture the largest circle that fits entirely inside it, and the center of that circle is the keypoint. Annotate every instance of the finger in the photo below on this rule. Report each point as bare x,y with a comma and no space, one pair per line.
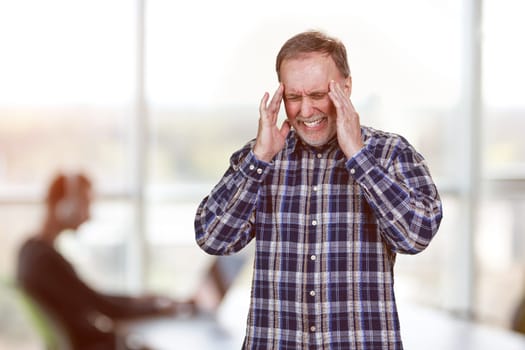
262,106
278,95
335,95
275,103
285,128
340,100
340,94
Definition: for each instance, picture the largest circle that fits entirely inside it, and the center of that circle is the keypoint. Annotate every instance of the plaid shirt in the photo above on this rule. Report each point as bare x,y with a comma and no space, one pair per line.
327,230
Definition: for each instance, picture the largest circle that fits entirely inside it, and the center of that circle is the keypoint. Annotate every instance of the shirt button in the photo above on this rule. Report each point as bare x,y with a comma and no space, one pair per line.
252,166
315,188
352,171
312,329
319,155
313,257
314,222
259,171
312,293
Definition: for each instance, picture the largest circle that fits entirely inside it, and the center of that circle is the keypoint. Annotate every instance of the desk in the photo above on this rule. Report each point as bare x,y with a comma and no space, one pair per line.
200,332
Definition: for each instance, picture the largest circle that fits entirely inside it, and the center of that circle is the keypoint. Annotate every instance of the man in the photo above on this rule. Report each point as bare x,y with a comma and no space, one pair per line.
329,202
89,319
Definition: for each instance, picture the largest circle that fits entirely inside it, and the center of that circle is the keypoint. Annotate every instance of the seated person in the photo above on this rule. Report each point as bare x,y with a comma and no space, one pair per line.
87,316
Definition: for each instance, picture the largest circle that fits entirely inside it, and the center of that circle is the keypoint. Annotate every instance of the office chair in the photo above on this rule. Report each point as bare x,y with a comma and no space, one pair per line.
51,332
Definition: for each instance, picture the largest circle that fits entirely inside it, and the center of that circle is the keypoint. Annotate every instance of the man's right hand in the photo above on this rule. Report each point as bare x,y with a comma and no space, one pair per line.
270,139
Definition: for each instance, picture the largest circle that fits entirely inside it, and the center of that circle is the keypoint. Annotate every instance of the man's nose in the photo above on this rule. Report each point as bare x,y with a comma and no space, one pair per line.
306,107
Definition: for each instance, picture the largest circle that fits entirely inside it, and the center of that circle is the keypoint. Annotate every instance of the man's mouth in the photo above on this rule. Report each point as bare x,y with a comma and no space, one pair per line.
313,123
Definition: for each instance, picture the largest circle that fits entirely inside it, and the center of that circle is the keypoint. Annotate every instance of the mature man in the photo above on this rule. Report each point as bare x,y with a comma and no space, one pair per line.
329,202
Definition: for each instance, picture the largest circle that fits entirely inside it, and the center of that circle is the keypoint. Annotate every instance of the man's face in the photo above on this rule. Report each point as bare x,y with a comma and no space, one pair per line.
308,106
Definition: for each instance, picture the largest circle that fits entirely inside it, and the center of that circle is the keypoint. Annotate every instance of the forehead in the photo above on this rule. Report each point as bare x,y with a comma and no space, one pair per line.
308,72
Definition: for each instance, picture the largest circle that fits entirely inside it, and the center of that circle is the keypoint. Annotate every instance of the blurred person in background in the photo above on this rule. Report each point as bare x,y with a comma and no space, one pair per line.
88,317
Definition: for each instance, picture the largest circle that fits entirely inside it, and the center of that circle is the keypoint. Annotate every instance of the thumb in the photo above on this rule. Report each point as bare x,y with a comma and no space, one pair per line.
285,128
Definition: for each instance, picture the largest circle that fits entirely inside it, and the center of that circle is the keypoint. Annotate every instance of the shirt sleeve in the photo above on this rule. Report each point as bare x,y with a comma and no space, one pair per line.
225,218
401,193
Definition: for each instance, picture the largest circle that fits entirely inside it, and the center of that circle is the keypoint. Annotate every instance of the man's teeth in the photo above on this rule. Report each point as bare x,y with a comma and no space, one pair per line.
313,123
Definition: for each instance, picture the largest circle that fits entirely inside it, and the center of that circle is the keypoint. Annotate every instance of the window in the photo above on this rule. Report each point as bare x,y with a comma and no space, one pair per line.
154,126
66,102
500,245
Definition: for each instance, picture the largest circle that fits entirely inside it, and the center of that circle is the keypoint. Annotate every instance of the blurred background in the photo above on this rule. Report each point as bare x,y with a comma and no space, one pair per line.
151,97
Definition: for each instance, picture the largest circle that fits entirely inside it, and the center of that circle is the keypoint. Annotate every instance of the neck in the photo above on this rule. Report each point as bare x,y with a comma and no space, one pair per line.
49,231
320,148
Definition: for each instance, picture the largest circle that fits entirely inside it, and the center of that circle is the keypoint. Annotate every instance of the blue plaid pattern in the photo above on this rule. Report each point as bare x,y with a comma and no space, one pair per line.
327,230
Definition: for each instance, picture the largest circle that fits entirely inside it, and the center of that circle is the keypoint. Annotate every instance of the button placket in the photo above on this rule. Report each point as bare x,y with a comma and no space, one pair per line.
315,201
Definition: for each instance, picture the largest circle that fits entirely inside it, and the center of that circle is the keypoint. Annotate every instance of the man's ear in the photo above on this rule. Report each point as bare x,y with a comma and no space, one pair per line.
347,88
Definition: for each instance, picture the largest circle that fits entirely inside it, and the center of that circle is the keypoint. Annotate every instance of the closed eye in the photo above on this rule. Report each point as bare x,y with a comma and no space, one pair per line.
318,95
293,98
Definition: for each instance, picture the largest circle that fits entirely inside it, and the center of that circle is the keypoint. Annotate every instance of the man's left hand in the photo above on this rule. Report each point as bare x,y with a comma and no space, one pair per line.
348,124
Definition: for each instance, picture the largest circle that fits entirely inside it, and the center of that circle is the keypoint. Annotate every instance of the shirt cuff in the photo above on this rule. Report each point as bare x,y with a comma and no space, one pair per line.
254,168
360,164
